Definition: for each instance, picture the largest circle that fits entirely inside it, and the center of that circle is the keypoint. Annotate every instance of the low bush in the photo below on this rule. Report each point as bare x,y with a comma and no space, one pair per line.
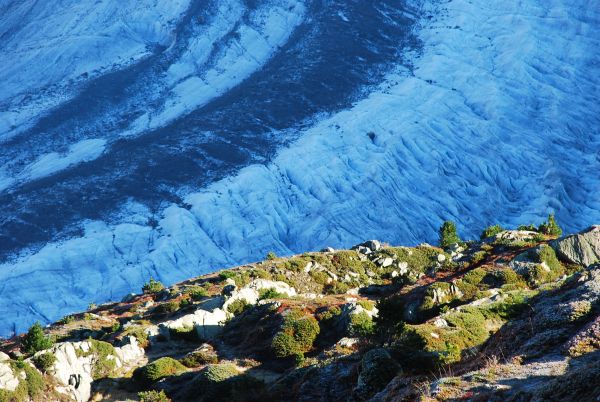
153,396
27,390
104,362
319,277
336,288
152,286
44,361
297,334
187,333
491,231
238,306
168,307
269,294
158,369
140,333
199,358
366,304
196,292
361,325
66,320
219,372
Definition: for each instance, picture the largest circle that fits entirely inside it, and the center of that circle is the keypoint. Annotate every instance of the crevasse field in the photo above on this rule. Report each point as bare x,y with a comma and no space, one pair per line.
169,139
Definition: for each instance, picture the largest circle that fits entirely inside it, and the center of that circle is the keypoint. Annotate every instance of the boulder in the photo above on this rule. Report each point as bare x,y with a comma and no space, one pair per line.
73,371
74,365
207,320
581,248
368,246
8,380
515,235
130,352
251,292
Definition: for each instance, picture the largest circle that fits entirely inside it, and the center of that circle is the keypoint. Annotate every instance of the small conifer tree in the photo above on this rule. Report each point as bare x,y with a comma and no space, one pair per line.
448,235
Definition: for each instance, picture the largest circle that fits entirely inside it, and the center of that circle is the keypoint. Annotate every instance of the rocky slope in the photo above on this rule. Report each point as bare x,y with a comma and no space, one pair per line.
514,316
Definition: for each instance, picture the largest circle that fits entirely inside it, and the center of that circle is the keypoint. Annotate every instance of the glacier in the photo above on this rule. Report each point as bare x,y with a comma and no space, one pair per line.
211,133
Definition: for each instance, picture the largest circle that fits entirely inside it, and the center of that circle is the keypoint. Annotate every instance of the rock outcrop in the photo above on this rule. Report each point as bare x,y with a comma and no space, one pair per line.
581,248
8,380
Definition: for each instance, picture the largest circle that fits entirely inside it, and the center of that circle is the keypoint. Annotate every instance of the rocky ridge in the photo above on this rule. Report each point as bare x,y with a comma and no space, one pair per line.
513,316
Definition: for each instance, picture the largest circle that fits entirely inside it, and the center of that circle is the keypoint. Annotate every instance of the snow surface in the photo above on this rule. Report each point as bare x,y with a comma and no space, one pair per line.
192,79
497,122
80,39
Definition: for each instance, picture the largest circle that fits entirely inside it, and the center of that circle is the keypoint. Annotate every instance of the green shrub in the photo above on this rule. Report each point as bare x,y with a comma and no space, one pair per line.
478,257
330,313
138,332
238,306
271,256
491,231
429,301
27,390
241,278
219,372
104,358
44,361
35,340
293,264
475,276
419,259
66,320
336,288
508,276
153,396
550,269
224,275
297,334
550,227
196,292
361,325
168,307
530,228
115,327
153,286
199,358
319,277
366,304
269,294
187,333
158,369
261,273
448,235
34,381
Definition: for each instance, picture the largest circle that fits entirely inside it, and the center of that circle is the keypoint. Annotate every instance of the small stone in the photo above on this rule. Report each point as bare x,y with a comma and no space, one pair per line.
441,258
